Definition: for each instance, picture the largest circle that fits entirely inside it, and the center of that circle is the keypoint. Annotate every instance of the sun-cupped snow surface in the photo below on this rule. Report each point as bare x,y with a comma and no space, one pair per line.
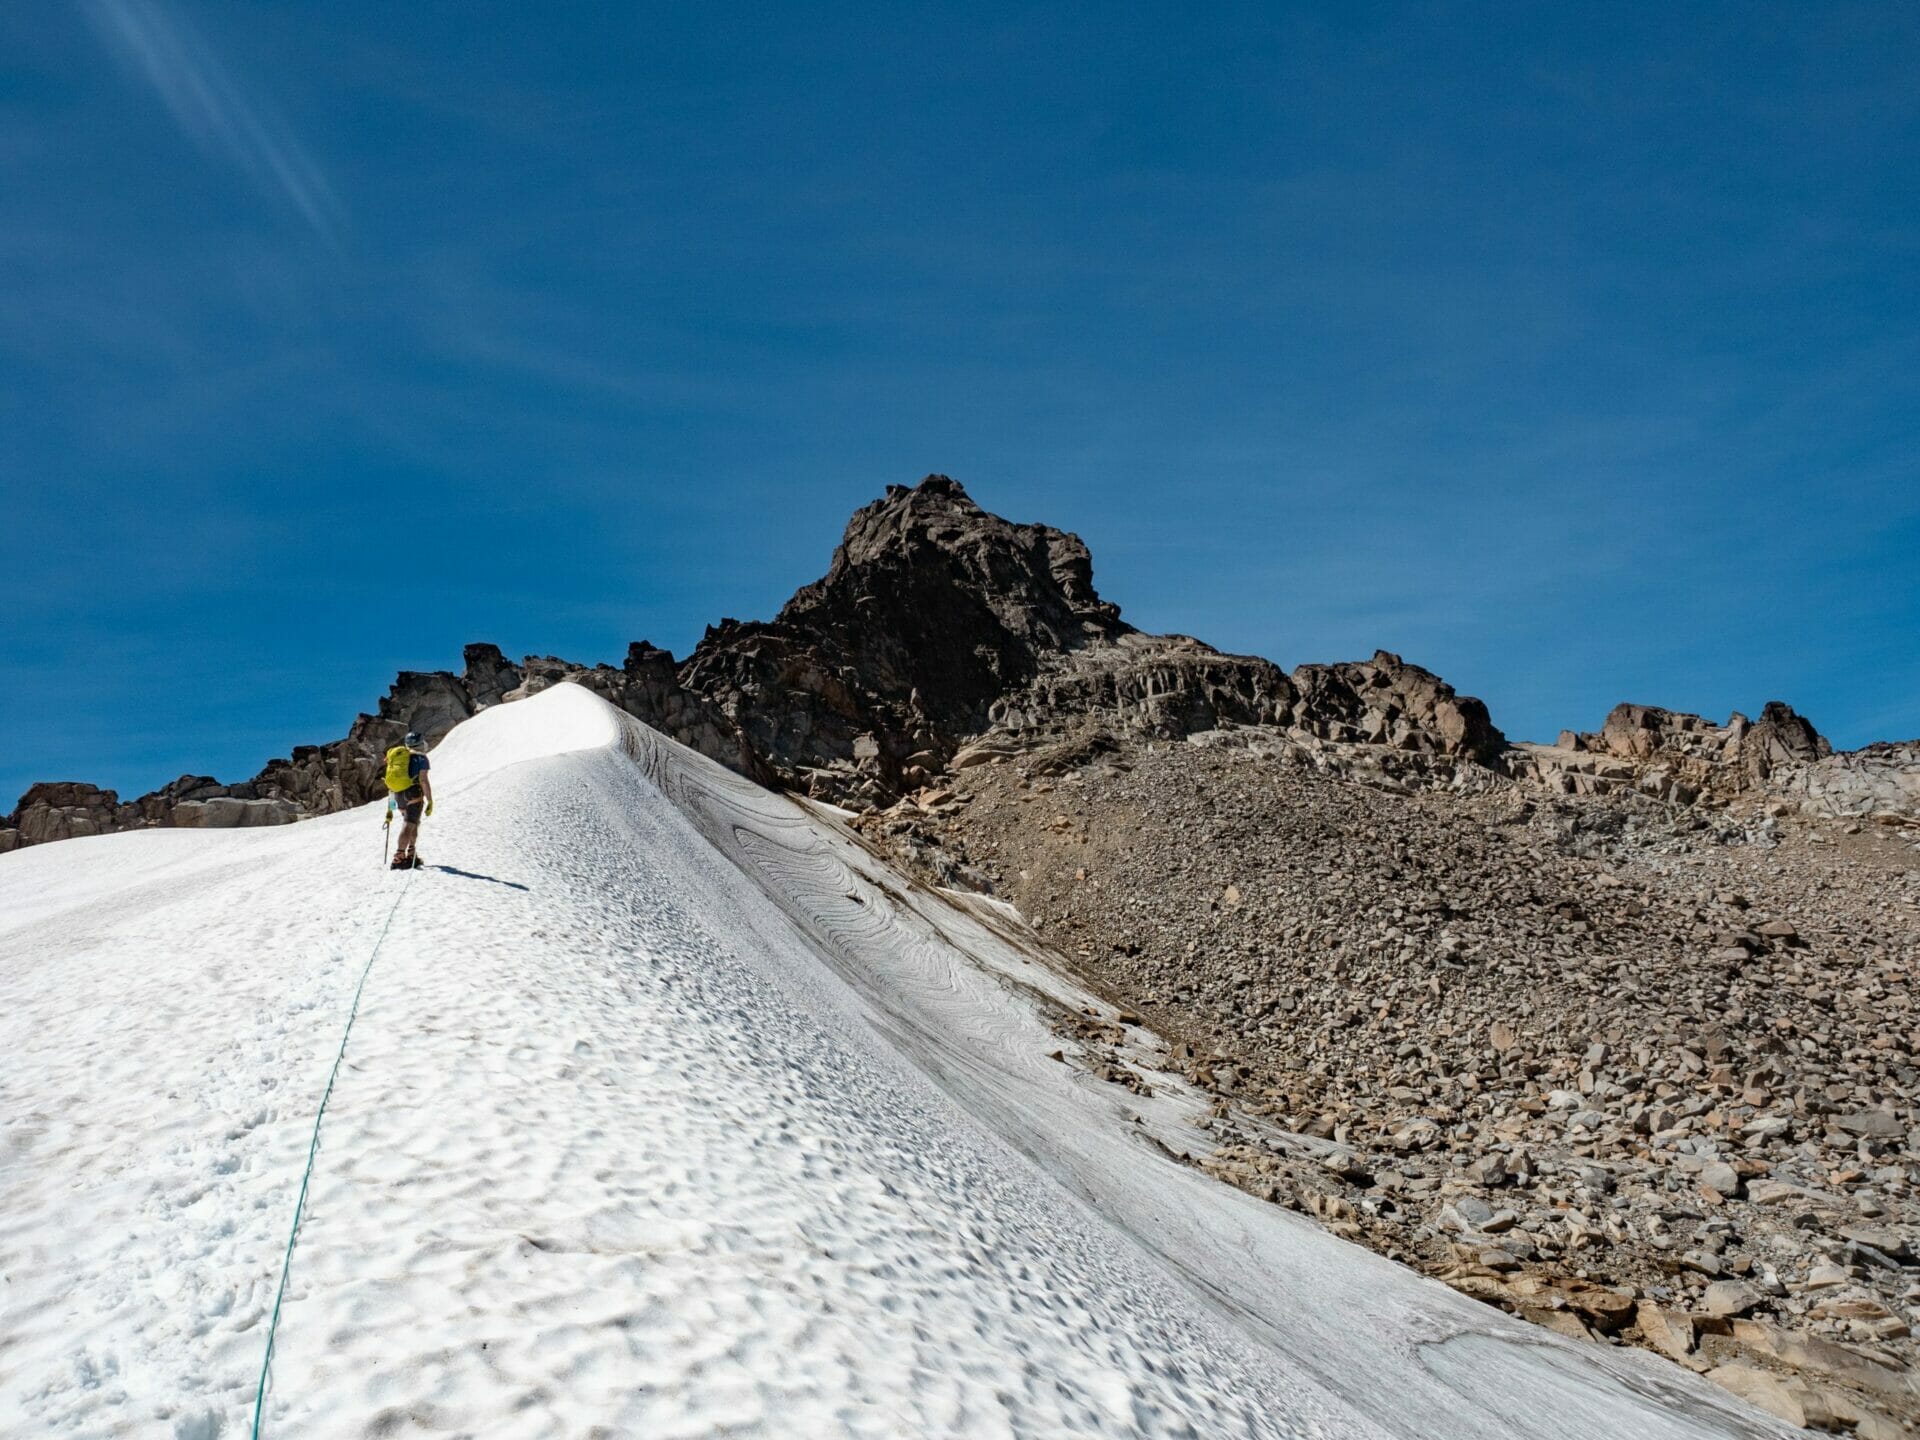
668,1112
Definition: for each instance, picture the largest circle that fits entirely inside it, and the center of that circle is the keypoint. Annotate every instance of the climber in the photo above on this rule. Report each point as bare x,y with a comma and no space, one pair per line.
410,791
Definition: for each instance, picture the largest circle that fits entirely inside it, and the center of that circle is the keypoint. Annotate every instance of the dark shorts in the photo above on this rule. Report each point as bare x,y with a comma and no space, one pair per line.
410,803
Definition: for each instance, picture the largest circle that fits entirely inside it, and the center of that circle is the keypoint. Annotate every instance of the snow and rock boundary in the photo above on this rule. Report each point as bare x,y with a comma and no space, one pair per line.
670,1110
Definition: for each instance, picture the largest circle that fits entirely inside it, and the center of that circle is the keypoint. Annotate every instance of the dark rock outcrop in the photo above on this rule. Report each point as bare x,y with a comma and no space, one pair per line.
60,809
1385,701
1780,737
489,676
937,622
931,610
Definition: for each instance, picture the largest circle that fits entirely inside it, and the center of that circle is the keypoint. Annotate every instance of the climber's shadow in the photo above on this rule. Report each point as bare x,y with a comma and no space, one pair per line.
470,875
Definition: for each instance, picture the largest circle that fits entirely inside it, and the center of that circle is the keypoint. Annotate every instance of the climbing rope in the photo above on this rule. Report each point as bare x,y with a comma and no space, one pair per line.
313,1149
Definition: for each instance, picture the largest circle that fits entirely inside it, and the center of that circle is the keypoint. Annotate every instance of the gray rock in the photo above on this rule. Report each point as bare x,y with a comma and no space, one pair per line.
1724,1298
1489,1170
1468,1214
1886,1242
223,812
1875,1124
1385,701
1721,1178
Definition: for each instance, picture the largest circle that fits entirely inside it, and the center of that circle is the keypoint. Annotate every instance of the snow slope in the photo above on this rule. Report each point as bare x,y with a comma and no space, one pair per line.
668,1112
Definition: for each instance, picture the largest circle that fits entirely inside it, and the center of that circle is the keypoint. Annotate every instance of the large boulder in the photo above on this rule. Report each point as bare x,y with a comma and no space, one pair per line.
1386,701
224,812
1638,732
68,809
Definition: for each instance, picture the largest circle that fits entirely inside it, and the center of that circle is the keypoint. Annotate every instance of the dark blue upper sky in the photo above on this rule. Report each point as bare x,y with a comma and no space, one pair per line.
1573,351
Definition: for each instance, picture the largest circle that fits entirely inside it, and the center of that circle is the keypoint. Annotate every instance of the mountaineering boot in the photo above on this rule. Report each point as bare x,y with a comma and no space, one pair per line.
402,862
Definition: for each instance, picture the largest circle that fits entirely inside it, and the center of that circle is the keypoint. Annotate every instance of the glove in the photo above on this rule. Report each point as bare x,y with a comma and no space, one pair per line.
429,807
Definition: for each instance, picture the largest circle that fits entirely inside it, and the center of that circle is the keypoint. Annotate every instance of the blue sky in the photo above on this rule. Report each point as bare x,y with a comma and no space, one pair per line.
1572,351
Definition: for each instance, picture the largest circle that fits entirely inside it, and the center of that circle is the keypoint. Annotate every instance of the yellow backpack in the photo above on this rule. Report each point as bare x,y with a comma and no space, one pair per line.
399,771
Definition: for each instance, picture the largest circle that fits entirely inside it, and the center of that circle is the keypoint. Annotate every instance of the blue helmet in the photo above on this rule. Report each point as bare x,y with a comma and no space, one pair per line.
414,742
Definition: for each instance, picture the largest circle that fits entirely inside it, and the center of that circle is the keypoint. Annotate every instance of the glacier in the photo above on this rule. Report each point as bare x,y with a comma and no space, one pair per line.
669,1111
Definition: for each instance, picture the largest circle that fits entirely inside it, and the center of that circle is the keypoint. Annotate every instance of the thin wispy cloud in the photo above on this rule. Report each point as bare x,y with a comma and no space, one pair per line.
213,110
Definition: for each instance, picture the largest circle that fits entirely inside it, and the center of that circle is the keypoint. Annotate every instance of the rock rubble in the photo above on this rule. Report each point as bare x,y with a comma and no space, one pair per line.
1639,1071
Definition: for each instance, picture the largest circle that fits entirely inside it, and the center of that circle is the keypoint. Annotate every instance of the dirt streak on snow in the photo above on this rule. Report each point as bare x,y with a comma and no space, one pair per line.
669,1111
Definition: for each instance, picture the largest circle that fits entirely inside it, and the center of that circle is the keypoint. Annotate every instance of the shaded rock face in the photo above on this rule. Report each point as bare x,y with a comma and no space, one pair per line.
931,610
58,810
928,591
1385,701
489,676
1780,737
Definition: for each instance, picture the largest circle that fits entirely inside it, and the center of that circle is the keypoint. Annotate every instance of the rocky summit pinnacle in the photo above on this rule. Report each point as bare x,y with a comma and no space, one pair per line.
931,609
907,557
